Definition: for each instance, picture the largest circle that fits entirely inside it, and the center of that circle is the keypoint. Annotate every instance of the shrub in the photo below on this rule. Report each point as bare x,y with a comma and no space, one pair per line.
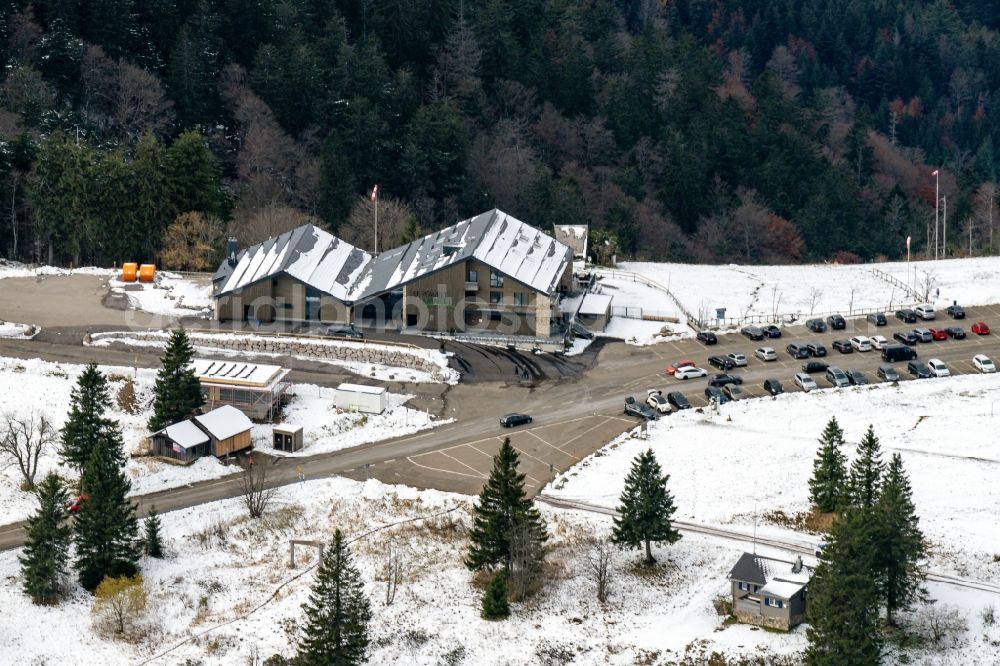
495,606
120,606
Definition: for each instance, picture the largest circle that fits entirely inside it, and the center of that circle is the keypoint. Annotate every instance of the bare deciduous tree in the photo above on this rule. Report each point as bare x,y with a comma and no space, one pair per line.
600,559
939,621
23,440
526,556
815,296
254,489
776,295
141,103
119,606
505,162
392,570
396,223
255,225
192,242
927,284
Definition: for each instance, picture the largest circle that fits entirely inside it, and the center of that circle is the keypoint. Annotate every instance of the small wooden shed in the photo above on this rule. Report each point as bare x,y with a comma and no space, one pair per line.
181,441
287,437
228,430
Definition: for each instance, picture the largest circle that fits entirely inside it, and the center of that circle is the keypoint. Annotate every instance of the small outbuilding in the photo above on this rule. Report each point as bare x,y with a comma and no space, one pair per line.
255,389
594,312
769,592
361,398
287,437
219,432
182,441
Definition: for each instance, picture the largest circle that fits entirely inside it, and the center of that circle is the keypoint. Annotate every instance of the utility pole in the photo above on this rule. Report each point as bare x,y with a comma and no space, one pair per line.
375,199
937,200
944,228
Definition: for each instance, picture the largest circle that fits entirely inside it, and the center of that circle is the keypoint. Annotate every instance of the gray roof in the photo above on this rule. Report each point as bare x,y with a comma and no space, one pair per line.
761,570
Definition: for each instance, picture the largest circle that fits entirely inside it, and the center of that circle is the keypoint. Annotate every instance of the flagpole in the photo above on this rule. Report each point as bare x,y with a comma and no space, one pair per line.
376,221
944,229
937,202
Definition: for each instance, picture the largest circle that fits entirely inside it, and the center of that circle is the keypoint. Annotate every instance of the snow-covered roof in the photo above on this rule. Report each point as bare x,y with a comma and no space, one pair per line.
595,304
574,236
762,570
308,254
236,372
224,422
185,434
781,589
361,388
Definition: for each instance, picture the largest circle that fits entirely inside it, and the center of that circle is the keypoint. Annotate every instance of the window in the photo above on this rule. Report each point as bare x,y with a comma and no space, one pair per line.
495,297
774,603
496,280
472,275
520,298
745,587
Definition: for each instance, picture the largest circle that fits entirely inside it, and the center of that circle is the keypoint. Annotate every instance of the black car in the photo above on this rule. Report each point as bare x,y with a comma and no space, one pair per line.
814,366
771,331
843,346
345,331
796,350
956,311
511,420
677,399
836,322
887,373
635,408
816,349
721,362
752,332
906,337
773,386
723,379
956,332
857,377
816,326
877,318
918,369
907,315
716,394
707,337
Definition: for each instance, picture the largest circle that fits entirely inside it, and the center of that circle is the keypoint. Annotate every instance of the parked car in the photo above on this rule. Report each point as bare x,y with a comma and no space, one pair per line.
690,372
707,337
752,332
796,350
923,334
511,420
734,392
925,311
721,362
877,318
956,311
814,366
657,402
938,334
635,408
938,368
878,341
771,331
739,360
816,349
836,322
906,315
805,382
837,377
887,373
843,346
765,354
980,328
861,343
715,393
686,363
906,337
77,504
345,331
896,353
677,399
983,363
857,377
816,326
955,332
723,379
773,386
918,369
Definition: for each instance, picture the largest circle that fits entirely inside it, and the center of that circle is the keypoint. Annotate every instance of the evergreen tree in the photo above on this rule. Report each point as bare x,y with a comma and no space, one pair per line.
337,613
899,542
829,479
843,608
177,391
495,606
151,541
646,507
866,472
193,176
43,564
86,423
106,531
502,512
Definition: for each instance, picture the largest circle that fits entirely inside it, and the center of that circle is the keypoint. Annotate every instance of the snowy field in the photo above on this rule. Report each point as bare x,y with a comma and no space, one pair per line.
14,269
635,297
170,295
12,330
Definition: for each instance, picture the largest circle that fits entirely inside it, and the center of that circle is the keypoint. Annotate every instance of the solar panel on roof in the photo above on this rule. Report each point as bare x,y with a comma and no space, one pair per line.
247,372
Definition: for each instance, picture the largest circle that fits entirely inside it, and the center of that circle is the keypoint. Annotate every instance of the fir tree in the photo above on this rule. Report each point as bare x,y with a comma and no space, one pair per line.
843,608
502,513
646,507
152,543
337,613
829,479
86,422
106,531
43,564
899,542
495,606
178,391
866,472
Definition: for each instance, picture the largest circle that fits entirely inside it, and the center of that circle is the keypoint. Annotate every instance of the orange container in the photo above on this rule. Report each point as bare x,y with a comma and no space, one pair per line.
129,272
147,272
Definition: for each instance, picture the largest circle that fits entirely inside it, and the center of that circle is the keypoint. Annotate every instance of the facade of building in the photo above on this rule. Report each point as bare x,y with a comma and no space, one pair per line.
255,389
219,432
769,592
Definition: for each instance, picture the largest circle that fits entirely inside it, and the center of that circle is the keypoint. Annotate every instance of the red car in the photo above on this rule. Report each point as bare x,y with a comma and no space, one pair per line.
980,328
939,333
76,504
680,364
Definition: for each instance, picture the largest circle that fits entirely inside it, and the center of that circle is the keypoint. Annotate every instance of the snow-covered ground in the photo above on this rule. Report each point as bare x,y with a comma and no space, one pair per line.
14,269
170,294
11,330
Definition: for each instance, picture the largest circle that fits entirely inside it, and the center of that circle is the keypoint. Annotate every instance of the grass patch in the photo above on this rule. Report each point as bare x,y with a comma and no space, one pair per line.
813,520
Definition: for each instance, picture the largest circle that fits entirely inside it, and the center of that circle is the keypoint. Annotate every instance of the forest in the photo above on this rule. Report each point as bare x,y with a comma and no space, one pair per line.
772,131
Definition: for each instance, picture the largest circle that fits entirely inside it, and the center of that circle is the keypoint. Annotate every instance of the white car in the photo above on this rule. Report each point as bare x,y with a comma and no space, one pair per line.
983,363
878,341
938,368
765,354
925,311
689,372
739,359
658,402
805,382
861,343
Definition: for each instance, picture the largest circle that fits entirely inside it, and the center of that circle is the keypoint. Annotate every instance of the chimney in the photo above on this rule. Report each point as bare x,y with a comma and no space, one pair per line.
232,249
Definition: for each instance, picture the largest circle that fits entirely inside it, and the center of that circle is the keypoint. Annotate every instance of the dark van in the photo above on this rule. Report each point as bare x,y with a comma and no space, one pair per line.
895,353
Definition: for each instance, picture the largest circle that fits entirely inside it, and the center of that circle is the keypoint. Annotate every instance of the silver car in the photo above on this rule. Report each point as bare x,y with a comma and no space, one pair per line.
805,382
765,354
837,377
